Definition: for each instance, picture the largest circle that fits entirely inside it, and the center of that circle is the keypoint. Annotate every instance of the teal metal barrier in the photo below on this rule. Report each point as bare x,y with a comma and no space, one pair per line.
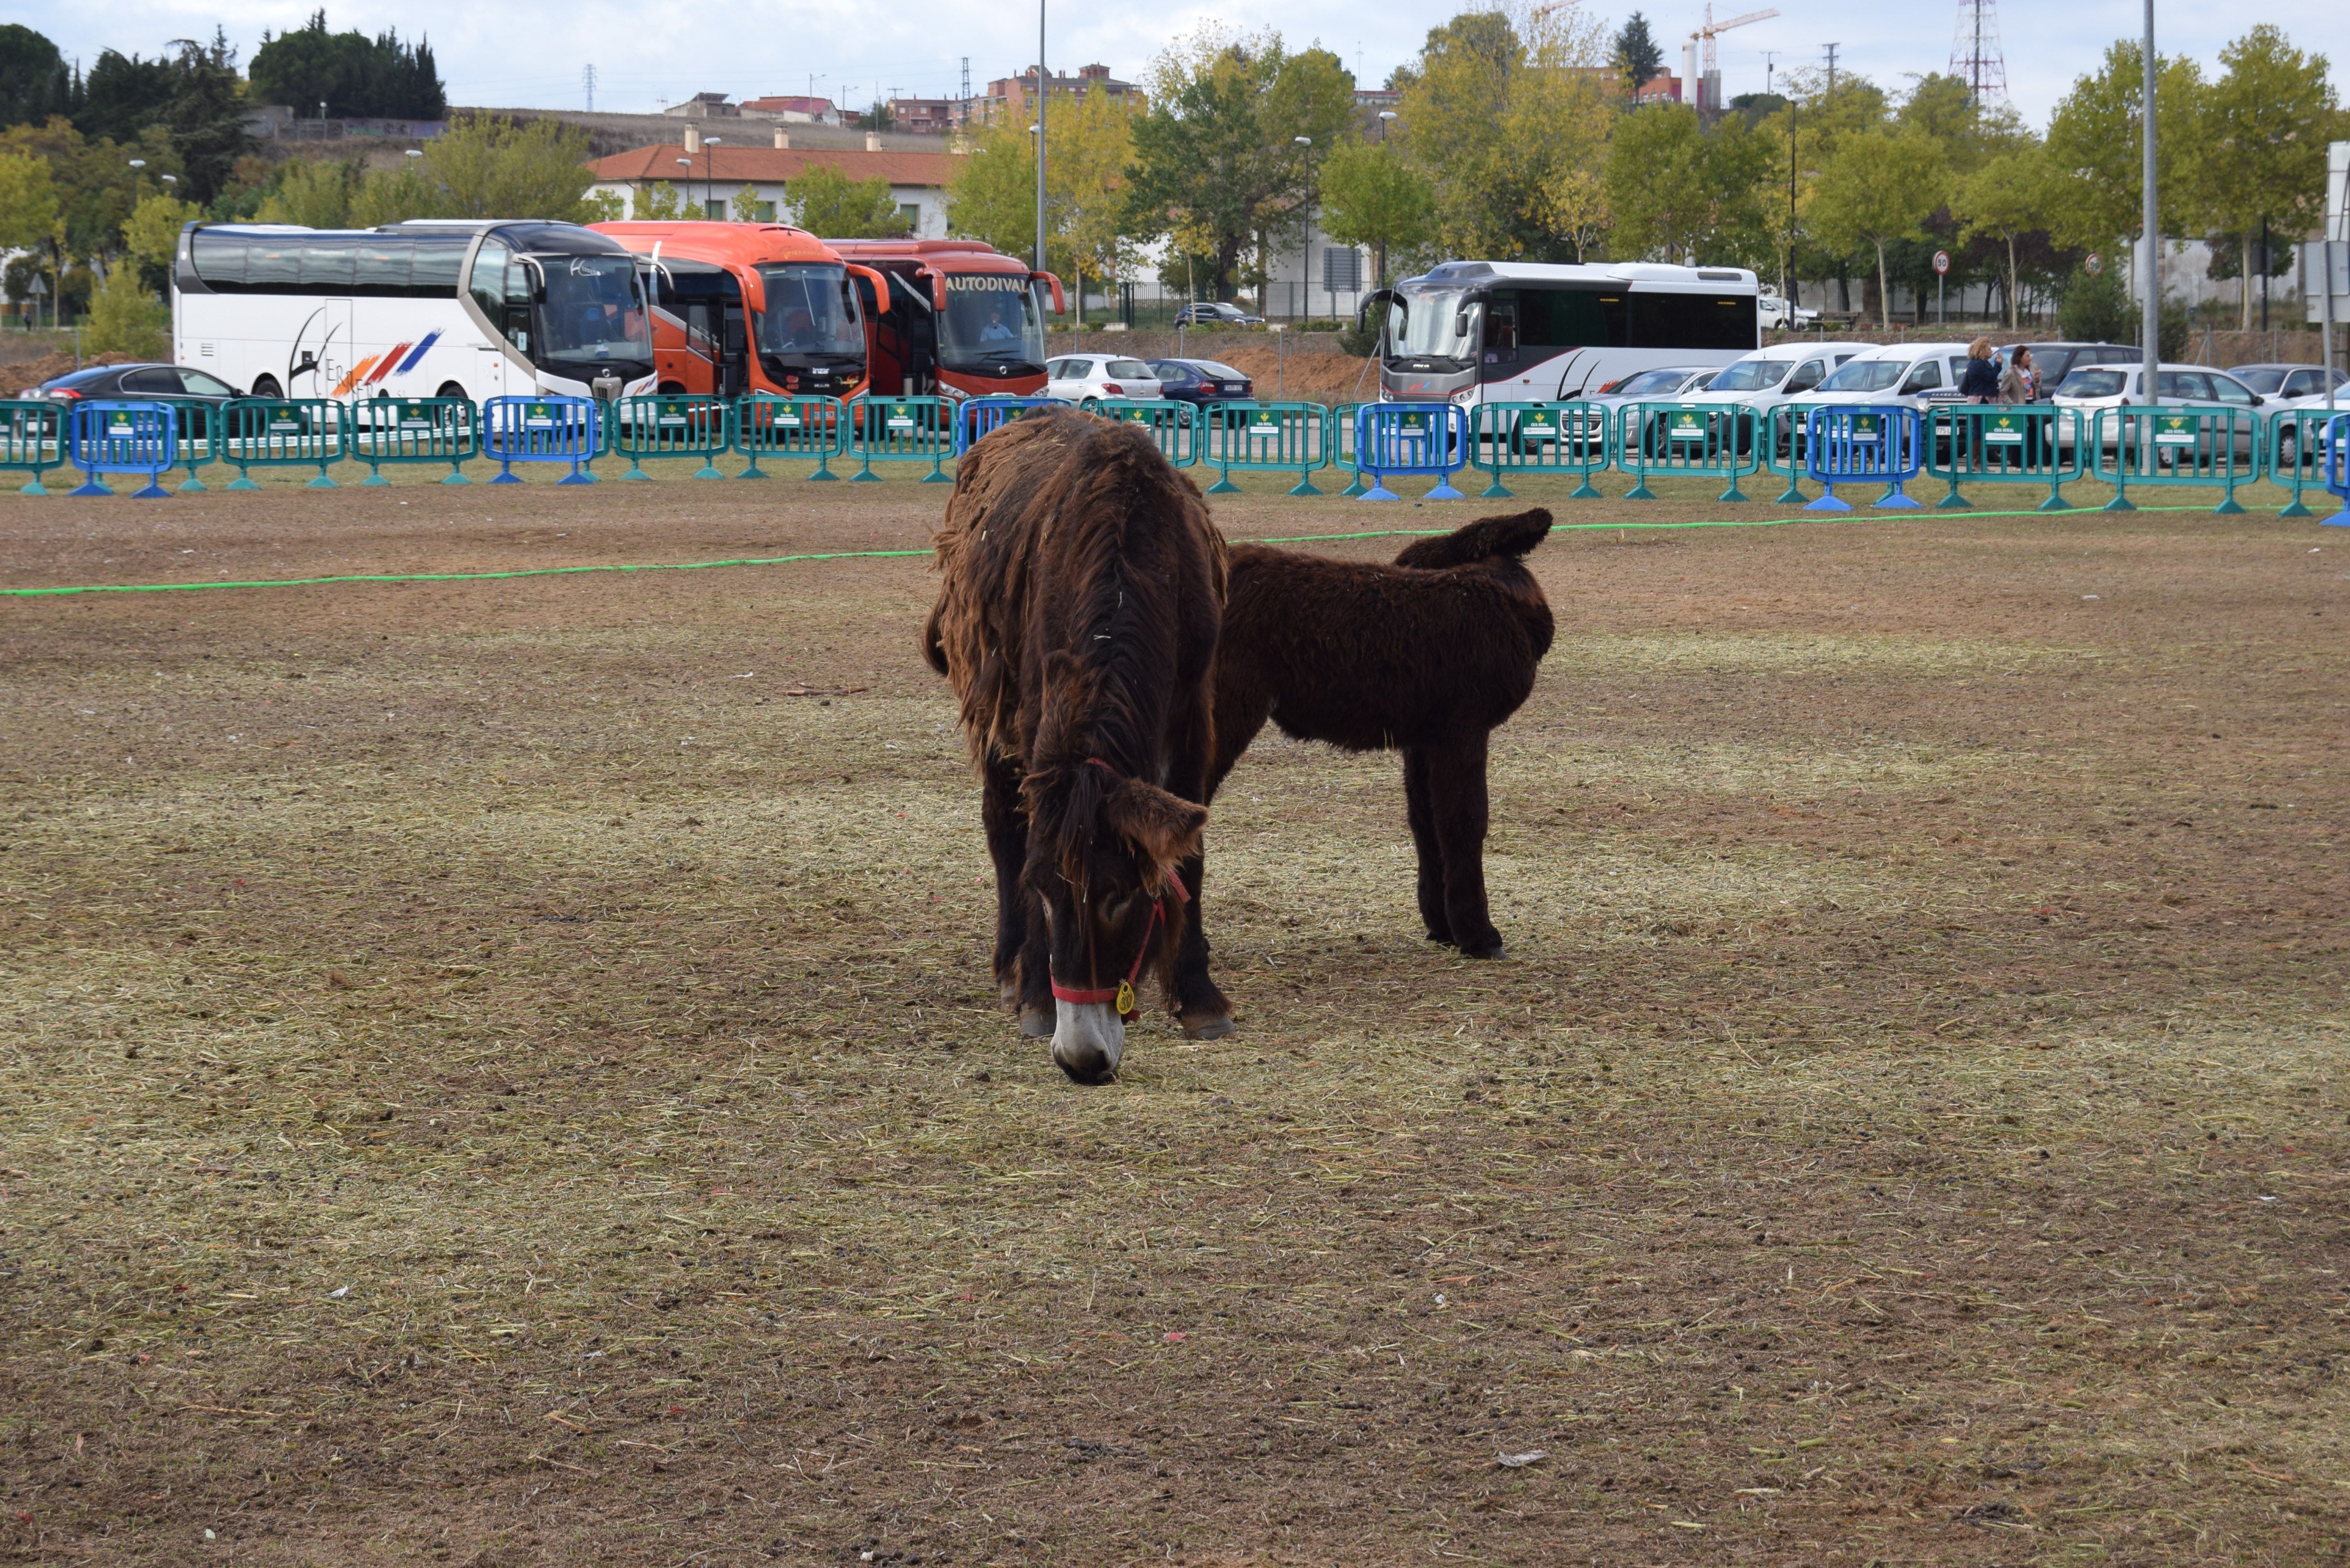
1853,443
198,436
1268,438
769,426
1540,438
282,432
407,431
1690,441
684,424
2295,454
31,440
1175,427
2019,445
976,419
129,436
1343,419
903,430
2172,446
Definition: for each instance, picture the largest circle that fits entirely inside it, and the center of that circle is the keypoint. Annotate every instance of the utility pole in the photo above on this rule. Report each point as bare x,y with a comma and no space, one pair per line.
1041,80
587,86
2150,324
1769,56
1832,54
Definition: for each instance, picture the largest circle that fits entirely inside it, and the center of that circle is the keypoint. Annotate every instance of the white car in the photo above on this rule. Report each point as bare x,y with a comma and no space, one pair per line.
1777,315
1076,377
2295,385
1919,374
1782,373
2176,386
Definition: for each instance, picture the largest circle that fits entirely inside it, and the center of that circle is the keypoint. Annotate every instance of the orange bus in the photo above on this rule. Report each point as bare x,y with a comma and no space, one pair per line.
959,319
753,307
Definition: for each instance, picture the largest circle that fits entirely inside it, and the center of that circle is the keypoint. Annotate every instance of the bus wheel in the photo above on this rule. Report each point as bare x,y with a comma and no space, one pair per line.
450,389
673,389
267,387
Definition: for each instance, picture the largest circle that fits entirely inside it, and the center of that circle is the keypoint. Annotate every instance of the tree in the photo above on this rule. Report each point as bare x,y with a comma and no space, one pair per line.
96,186
350,73
1216,163
314,192
2094,148
394,197
2263,129
2005,200
1880,186
122,95
205,114
28,201
1091,228
125,318
657,204
1639,55
1372,195
34,82
828,202
487,166
151,236
1675,189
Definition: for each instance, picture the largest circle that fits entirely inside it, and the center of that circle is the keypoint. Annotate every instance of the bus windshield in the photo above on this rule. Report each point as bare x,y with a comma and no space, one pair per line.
992,323
594,316
812,317
1436,322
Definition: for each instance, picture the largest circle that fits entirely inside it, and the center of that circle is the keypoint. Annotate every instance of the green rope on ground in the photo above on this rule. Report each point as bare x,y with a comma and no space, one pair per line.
893,555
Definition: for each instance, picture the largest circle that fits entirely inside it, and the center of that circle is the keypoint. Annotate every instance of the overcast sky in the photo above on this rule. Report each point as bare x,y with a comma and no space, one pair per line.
532,54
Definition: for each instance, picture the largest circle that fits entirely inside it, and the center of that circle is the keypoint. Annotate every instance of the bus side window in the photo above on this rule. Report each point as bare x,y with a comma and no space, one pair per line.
1501,321
1570,318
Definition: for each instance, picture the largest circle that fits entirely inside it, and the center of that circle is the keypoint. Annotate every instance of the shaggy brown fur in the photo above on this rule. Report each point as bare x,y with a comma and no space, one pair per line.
1077,621
1427,657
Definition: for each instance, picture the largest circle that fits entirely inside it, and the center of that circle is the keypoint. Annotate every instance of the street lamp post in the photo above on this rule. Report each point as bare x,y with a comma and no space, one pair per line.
1042,79
2150,322
1387,118
688,177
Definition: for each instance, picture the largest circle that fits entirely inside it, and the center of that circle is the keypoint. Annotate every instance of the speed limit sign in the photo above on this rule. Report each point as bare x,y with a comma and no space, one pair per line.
1941,261
2094,264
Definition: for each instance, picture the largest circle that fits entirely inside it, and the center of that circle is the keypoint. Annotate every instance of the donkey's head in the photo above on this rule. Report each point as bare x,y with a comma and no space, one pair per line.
1103,851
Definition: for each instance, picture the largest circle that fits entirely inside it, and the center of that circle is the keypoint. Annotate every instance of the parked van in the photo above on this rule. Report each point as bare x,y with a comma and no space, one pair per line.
1922,374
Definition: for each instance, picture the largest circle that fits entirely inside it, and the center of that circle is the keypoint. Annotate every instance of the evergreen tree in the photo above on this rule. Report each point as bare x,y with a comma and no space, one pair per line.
350,73
34,81
1639,55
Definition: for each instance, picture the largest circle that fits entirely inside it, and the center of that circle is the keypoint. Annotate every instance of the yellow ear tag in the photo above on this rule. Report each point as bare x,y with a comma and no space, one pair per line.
1125,997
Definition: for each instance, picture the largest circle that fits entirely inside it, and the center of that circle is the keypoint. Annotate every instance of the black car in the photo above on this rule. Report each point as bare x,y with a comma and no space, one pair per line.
1201,381
2051,362
108,382
1209,312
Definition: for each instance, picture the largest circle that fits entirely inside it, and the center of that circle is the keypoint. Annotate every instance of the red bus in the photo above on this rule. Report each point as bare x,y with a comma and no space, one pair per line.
959,319
753,307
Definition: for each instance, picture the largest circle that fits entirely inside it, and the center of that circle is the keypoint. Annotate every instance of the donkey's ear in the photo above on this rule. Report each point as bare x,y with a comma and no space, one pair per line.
1164,829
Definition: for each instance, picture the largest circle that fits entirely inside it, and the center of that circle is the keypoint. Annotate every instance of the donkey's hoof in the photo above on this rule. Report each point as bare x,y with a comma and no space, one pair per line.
1443,938
1207,1026
1007,989
1492,949
1035,1023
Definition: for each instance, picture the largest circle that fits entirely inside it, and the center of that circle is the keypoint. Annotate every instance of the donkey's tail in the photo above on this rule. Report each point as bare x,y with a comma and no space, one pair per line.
1479,541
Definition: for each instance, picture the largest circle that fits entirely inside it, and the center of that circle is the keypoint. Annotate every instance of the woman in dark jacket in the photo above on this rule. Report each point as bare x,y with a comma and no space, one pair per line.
1981,383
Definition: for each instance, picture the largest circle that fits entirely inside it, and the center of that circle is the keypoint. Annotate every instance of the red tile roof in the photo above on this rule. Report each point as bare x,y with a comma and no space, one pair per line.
776,165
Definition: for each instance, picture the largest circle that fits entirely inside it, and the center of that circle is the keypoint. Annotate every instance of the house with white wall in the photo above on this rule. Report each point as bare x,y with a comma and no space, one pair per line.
709,172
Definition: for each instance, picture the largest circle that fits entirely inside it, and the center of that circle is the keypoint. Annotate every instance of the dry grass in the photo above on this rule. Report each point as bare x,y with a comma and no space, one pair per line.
505,1073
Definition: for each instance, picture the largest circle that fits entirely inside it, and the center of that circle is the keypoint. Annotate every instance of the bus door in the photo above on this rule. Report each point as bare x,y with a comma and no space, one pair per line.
916,327
700,332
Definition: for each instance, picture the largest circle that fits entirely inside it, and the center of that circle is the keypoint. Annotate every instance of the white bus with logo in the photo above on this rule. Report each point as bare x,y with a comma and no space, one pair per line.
1474,331
419,309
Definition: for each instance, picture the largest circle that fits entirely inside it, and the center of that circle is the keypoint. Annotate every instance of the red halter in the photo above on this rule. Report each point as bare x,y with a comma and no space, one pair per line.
1122,994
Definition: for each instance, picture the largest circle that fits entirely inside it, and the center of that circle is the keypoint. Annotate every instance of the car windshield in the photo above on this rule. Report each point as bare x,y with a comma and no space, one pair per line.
1865,376
1752,375
2093,384
2265,381
812,313
1437,321
1652,384
992,322
594,313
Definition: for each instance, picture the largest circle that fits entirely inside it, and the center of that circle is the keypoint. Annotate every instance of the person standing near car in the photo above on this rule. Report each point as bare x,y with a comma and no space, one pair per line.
2018,383
1981,383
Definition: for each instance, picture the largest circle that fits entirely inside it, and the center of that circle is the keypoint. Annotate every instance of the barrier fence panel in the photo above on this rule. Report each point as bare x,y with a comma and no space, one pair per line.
282,432
110,437
769,426
977,418
2295,453
2160,446
1994,445
415,430
32,439
1540,438
1786,438
1273,438
1342,420
198,436
543,430
1393,438
671,425
1175,427
2334,464
1697,441
904,430
1864,442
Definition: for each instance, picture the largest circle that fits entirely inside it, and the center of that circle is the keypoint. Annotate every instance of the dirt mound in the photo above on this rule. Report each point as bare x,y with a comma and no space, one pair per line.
30,373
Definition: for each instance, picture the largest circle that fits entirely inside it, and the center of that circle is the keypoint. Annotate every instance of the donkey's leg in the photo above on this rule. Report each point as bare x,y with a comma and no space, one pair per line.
1199,1006
1416,806
1456,777
1007,846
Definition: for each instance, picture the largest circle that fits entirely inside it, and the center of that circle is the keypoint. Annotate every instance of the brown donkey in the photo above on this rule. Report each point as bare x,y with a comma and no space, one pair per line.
1077,621
1427,657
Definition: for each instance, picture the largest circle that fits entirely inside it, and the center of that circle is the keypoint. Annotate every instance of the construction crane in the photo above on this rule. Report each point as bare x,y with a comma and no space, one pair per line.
1705,77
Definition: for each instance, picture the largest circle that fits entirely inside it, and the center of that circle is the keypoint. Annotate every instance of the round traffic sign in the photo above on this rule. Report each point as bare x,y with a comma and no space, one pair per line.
1941,261
2094,264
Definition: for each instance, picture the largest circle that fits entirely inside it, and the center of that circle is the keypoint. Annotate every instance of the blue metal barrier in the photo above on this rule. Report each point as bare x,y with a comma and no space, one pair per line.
1412,438
543,430
32,437
2336,467
108,436
1857,443
978,418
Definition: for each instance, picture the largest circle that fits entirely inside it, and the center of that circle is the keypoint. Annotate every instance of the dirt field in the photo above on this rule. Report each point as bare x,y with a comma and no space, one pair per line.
505,1072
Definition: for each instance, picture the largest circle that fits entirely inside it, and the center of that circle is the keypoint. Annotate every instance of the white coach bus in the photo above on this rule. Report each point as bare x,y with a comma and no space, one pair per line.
1475,331
419,309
